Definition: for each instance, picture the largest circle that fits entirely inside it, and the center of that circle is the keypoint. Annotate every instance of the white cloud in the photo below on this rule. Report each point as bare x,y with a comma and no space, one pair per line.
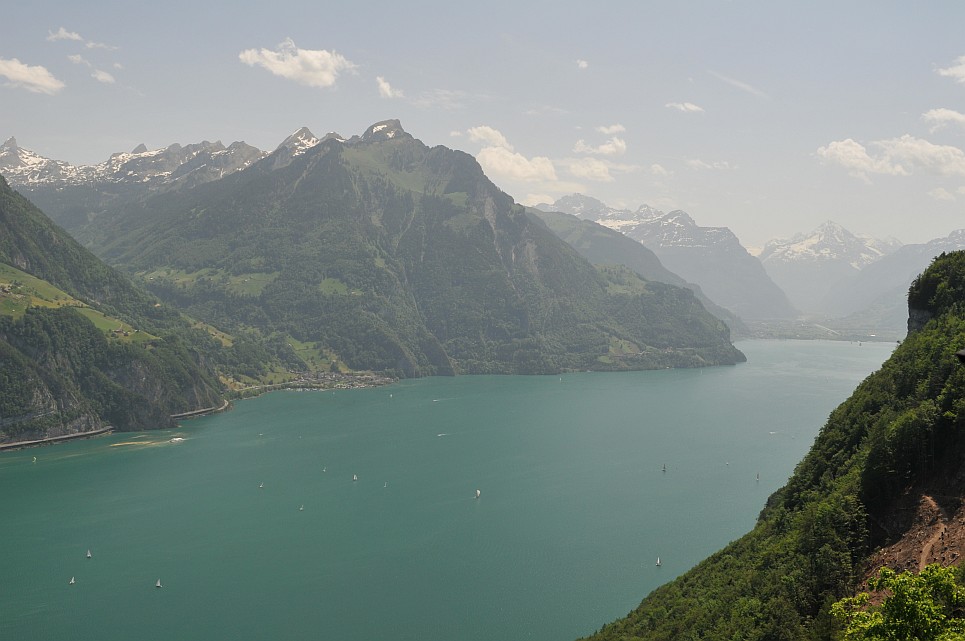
609,130
614,146
697,163
500,162
78,59
537,199
455,133
313,68
942,194
743,86
386,90
541,110
590,169
943,160
938,118
659,170
686,107
897,157
102,76
32,78
582,64
852,155
956,71
99,45
490,136
63,34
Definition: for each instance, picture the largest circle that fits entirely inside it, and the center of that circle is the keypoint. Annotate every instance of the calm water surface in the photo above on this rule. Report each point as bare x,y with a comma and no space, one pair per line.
574,509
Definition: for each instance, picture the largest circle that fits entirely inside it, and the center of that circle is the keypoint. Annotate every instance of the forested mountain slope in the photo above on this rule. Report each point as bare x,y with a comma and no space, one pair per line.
882,485
381,253
80,347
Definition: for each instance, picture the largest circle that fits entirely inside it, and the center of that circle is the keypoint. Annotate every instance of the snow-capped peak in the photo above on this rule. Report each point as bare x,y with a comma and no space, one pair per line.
384,130
299,142
828,242
190,164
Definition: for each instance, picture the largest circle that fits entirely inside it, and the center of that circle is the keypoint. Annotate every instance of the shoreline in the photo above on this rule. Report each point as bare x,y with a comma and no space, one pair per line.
54,439
202,412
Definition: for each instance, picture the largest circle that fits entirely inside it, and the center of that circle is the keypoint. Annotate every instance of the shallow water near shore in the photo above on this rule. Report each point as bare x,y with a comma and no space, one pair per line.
257,530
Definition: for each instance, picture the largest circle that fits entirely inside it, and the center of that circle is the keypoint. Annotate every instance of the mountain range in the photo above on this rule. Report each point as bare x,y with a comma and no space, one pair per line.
711,257
808,266
377,252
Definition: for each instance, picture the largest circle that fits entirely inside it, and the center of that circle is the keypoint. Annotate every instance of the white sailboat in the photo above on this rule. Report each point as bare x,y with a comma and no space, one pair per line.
88,554
158,584
355,477
72,581
658,561
478,494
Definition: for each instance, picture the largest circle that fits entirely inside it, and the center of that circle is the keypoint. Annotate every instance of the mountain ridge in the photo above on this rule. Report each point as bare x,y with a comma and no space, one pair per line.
426,255
809,265
711,257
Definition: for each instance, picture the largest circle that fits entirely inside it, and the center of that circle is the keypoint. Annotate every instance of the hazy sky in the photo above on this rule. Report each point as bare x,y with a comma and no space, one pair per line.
767,117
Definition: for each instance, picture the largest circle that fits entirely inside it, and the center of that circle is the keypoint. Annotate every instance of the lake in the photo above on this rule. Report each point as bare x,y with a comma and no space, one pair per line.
256,529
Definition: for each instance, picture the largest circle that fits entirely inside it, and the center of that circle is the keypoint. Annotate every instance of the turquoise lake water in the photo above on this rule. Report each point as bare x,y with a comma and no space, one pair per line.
574,505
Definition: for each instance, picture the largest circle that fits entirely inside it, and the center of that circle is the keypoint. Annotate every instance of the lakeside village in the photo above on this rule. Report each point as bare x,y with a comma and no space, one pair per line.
317,381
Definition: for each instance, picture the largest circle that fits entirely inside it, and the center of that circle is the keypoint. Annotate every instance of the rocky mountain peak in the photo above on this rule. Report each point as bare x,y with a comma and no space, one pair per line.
9,143
830,241
140,149
384,130
299,142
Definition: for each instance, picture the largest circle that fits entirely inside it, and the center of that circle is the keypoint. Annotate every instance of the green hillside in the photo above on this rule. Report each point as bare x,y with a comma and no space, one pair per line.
603,246
896,443
81,347
384,254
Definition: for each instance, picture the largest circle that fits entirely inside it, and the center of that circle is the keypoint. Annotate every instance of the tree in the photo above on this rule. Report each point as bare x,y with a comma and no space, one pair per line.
919,607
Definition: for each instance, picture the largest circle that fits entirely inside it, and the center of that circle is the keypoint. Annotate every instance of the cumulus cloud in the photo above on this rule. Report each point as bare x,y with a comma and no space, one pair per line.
78,59
500,162
956,71
686,107
609,130
537,199
590,169
582,64
658,170
897,157
612,147
490,136
102,76
942,194
63,34
30,77
386,90
938,118
310,67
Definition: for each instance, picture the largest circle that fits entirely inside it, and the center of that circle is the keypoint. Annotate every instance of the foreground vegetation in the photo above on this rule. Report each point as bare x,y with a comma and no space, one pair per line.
902,428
